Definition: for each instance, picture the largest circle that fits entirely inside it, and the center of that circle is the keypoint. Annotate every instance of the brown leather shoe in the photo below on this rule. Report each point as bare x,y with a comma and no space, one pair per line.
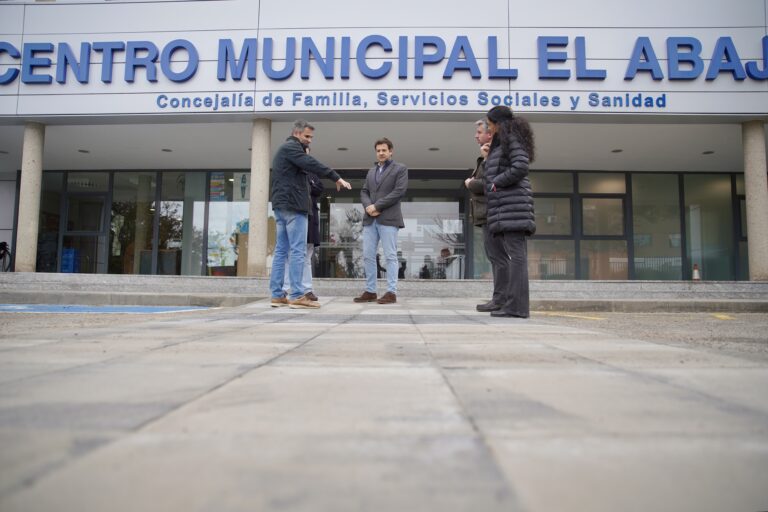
366,297
388,298
278,302
311,296
303,302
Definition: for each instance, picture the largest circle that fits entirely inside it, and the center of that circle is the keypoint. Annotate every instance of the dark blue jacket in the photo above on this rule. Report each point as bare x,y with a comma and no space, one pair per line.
290,186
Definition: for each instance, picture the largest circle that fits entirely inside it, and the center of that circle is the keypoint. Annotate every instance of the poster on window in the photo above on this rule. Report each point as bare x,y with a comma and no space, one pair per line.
218,187
241,186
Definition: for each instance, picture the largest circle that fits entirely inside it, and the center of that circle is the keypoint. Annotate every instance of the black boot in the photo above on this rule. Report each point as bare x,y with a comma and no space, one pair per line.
487,307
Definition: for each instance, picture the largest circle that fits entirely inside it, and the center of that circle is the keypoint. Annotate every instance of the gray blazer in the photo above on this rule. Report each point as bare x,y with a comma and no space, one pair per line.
385,195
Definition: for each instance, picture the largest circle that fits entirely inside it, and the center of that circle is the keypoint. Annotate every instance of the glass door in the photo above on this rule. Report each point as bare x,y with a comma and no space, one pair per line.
84,237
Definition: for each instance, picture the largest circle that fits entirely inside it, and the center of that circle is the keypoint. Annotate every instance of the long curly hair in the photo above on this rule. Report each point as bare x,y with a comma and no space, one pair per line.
512,128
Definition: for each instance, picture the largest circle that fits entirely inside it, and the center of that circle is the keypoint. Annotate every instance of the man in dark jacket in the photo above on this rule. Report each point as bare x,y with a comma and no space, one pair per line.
316,190
478,213
384,188
291,204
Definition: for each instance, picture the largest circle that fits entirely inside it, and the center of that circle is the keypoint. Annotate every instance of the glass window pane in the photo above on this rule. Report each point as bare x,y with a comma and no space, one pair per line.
602,216
228,224
85,213
604,259
553,216
602,183
87,181
551,259
740,190
48,230
743,208
131,224
81,254
180,240
743,261
656,220
480,264
343,255
709,225
431,243
551,182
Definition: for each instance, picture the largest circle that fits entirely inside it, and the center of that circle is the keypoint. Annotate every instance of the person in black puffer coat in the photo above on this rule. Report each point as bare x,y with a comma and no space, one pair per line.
510,205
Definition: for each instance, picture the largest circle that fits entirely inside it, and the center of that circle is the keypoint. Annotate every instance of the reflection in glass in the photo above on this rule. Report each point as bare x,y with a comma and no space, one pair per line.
180,244
743,210
87,181
740,190
551,182
709,224
228,224
743,261
480,264
48,230
431,246
551,259
81,254
604,259
85,213
602,183
656,219
602,216
131,225
553,215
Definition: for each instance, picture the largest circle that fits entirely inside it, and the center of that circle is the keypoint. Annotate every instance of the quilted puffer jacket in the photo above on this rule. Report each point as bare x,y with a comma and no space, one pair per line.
508,191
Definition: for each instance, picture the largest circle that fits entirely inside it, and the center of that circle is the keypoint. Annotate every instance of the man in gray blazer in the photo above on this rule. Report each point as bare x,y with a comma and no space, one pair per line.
384,188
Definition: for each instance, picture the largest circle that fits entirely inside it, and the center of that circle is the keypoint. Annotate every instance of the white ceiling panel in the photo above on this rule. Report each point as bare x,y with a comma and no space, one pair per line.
219,145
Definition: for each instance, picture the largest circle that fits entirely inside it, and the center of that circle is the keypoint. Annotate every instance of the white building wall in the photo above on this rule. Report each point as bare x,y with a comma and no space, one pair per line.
610,38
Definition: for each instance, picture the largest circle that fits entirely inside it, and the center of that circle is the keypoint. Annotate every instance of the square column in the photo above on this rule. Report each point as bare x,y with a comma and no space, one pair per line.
756,185
261,141
29,197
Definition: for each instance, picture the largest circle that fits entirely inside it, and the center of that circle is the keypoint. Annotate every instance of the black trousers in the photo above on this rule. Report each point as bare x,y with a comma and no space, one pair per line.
513,272
497,258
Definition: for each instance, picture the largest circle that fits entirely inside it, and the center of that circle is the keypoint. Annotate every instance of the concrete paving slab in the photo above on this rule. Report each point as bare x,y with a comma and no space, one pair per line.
637,474
609,401
193,473
734,386
619,353
427,405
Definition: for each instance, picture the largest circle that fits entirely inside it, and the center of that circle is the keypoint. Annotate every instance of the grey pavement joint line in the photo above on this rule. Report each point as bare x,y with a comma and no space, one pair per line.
193,338
245,370
720,403
492,455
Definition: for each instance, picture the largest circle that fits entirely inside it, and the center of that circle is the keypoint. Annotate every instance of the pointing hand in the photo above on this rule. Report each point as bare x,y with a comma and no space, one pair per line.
342,183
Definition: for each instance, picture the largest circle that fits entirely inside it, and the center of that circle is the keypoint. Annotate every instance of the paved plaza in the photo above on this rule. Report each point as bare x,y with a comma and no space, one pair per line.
425,405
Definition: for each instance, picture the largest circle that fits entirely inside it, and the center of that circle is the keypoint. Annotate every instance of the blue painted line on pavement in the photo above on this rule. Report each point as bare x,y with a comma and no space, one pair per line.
67,308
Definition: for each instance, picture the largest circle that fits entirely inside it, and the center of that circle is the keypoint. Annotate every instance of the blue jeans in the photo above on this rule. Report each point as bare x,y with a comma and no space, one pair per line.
372,234
291,231
306,280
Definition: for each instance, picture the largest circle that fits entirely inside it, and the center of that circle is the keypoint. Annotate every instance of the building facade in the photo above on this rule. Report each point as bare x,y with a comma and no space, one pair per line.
136,137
